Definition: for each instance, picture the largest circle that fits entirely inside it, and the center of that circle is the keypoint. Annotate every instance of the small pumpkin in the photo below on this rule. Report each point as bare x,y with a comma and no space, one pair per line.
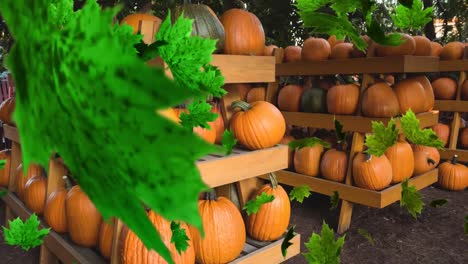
286,139
442,131
258,125
436,49
5,171
256,94
133,251
289,98
428,92
205,22
133,20
452,51
379,100
342,99
272,219
292,54
54,211
106,236
463,138
408,47
341,51
411,95
224,228
268,50
315,49
33,170
307,160
209,135
314,100
372,172
423,46
401,158
241,88
464,92
425,159
453,176
83,219
333,41
244,33
34,194
444,88
334,164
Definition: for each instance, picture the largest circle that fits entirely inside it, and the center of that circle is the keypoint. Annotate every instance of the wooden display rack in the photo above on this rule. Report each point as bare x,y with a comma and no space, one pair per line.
358,124
456,106
241,167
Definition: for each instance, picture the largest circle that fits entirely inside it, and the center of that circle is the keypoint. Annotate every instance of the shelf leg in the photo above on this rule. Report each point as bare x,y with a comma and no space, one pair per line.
15,162
47,257
245,189
114,259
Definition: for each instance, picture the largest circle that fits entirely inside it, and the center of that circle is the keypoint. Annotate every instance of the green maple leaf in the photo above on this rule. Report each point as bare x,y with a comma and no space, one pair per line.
438,203
366,235
60,12
323,248
340,135
3,192
179,237
412,17
377,34
334,199
299,193
199,115
308,142
25,234
228,141
102,98
252,206
413,133
287,241
411,198
382,137
3,163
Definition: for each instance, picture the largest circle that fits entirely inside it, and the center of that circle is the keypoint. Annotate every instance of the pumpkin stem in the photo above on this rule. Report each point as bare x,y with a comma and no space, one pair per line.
68,184
455,159
340,79
368,157
273,180
401,137
431,161
242,105
211,196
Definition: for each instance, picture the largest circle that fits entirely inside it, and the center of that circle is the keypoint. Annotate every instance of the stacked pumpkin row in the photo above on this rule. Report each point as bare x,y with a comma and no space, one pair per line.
381,99
319,49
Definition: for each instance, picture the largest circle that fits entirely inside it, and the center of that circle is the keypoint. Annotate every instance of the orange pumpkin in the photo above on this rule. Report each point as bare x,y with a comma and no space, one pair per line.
444,88
379,100
224,229
54,211
5,171
342,99
442,131
133,251
411,95
272,219
334,165
34,194
286,139
106,236
268,50
356,53
423,46
133,20
256,94
289,98
218,124
464,92
463,138
452,51
333,41
244,33
170,114
428,92
408,47
315,49
258,125
33,170
425,159
372,172
436,49
209,135
453,175
241,88
83,219
341,51
401,158
307,160
292,54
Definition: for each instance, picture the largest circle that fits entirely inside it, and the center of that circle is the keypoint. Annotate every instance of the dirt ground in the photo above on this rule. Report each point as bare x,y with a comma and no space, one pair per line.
436,237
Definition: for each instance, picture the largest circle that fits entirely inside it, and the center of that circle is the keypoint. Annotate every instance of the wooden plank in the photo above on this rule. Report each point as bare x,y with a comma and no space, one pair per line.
360,65
11,133
61,246
376,199
454,65
15,161
350,122
243,166
447,154
271,254
451,105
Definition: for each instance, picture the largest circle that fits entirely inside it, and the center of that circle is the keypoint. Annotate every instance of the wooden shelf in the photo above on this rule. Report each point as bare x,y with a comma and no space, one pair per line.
400,64
377,199
11,133
451,105
454,65
60,245
350,122
447,154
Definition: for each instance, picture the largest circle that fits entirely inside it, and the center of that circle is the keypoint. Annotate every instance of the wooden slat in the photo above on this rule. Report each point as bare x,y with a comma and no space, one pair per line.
350,122
448,154
360,65
355,194
451,105
61,246
455,65
11,133
233,168
271,254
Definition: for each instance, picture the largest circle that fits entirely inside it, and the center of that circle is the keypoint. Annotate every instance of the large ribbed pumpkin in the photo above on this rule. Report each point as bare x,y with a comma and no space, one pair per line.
289,98
408,47
256,94
206,24
307,160
106,236
315,49
83,219
411,95
428,92
224,229
452,51
34,194
244,33
423,46
342,99
436,49
54,211
292,54
33,170
334,164
453,175
444,88
133,251
425,159
5,171
442,131
372,172
272,219
401,158
258,125
379,100
133,20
